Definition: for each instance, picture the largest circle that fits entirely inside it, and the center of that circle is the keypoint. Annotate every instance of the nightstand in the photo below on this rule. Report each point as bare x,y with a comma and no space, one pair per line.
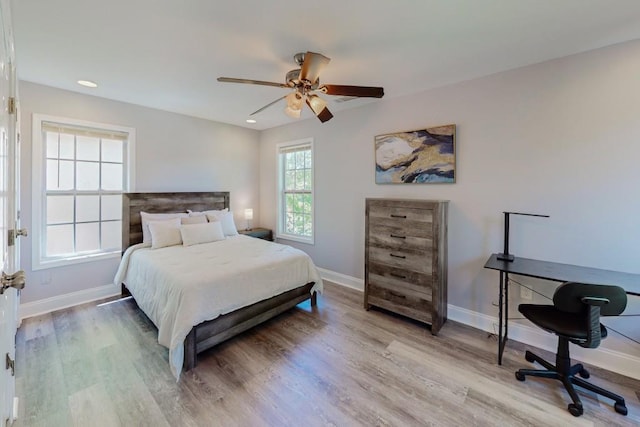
260,233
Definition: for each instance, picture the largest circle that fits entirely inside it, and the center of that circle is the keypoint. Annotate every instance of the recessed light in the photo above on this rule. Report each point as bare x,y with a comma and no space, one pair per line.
87,83
251,121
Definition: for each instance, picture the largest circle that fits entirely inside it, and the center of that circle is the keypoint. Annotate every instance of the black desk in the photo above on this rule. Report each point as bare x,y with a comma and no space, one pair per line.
550,271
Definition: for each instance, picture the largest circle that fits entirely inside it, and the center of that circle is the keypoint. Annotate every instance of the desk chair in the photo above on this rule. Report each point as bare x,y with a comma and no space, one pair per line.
575,317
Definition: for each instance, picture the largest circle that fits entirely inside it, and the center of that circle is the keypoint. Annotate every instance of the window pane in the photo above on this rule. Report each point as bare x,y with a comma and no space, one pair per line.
112,235
307,230
88,237
308,180
51,139
88,148
288,225
289,180
300,159
299,180
59,239
290,161
67,146
59,209
307,159
112,176
87,176
59,175
306,203
111,207
87,208
112,150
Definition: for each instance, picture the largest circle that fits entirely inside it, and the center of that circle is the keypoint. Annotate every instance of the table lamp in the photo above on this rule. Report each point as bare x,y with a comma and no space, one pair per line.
248,215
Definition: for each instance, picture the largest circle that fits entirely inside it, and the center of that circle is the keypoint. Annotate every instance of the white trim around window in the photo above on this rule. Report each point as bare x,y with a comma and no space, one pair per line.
306,216
44,123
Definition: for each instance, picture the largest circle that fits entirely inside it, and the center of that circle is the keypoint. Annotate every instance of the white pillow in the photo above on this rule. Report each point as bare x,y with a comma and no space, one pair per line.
145,217
165,233
194,234
212,212
196,219
226,219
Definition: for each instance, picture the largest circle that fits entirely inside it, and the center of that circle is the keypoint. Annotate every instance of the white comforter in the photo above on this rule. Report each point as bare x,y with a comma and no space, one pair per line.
179,287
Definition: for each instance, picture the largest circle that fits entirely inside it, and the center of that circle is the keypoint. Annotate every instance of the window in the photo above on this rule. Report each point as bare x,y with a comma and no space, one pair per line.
295,195
80,171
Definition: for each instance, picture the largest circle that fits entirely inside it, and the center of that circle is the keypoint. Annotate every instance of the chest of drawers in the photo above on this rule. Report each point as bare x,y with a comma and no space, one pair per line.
406,258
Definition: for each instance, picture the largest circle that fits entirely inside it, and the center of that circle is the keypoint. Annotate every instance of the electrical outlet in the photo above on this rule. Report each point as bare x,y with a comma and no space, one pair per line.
526,293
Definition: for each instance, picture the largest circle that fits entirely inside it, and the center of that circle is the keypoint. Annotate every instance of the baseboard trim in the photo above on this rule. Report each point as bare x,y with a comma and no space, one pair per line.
342,279
611,360
59,302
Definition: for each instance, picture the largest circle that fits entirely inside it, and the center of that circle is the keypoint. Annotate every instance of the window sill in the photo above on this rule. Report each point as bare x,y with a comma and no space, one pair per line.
81,259
299,239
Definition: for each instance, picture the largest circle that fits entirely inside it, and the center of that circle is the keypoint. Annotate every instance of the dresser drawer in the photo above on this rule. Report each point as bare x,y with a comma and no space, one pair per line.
412,261
390,277
398,213
401,303
398,238
401,226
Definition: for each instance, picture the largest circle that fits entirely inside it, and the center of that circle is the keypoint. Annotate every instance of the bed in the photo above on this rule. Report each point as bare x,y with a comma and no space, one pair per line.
169,287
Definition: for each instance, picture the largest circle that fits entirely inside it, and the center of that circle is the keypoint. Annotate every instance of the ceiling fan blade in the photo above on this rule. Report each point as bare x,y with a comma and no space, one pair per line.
268,105
312,65
357,91
251,82
319,107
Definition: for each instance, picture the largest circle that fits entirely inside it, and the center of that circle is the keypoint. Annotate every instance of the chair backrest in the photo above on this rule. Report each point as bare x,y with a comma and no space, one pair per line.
568,298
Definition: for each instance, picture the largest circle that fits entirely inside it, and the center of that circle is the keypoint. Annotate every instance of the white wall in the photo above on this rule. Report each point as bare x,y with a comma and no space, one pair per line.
560,138
173,153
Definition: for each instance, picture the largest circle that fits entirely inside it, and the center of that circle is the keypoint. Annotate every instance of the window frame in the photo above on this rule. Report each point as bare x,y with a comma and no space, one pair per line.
281,208
39,187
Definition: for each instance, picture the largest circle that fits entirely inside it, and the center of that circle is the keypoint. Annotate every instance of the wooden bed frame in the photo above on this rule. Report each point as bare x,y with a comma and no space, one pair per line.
210,333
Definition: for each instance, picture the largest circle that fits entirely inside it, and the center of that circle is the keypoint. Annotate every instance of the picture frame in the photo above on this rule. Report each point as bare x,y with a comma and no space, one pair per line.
423,156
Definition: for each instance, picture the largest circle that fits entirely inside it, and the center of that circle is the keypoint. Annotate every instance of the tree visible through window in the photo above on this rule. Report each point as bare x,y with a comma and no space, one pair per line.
296,191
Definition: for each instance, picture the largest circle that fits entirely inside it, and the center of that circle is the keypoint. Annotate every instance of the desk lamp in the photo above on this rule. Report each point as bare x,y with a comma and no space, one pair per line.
506,256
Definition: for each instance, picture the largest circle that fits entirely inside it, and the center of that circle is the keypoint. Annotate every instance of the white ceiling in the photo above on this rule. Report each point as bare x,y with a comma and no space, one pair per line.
167,54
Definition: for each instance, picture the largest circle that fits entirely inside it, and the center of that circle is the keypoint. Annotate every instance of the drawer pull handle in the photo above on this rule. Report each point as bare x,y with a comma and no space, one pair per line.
399,216
398,237
393,294
398,275
398,256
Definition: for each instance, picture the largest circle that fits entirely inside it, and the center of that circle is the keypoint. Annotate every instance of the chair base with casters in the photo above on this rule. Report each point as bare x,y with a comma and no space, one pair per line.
575,318
563,371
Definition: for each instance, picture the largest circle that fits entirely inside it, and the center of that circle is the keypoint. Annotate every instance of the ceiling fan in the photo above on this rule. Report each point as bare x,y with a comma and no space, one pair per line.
305,82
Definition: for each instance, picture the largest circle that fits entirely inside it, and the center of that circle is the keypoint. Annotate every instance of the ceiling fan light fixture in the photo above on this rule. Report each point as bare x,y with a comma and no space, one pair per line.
317,104
293,113
319,107
294,100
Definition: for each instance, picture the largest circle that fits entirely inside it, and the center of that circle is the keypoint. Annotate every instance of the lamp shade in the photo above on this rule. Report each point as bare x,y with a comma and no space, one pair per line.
248,214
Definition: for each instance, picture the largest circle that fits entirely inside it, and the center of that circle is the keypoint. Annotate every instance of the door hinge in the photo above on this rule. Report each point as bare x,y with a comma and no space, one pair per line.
12,105
15,280
10,364
11,237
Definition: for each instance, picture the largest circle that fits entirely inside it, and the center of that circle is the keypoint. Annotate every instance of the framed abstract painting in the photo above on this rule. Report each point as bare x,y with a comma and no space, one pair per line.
424,156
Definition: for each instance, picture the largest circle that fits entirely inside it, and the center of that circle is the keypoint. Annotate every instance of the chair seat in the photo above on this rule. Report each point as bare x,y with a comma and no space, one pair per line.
572,326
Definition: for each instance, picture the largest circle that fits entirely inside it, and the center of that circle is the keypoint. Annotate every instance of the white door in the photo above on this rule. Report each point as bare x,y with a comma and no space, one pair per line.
11,278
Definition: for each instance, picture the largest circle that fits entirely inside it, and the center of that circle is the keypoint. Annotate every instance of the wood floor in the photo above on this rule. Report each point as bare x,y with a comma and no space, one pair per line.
335,364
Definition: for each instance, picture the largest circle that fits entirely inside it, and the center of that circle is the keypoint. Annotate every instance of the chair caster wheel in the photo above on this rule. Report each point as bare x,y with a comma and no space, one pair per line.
519,376
620,408
584,373
575,410
529,357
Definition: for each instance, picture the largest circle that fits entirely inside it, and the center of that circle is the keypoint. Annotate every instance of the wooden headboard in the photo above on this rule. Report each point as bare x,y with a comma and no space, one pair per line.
133,203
